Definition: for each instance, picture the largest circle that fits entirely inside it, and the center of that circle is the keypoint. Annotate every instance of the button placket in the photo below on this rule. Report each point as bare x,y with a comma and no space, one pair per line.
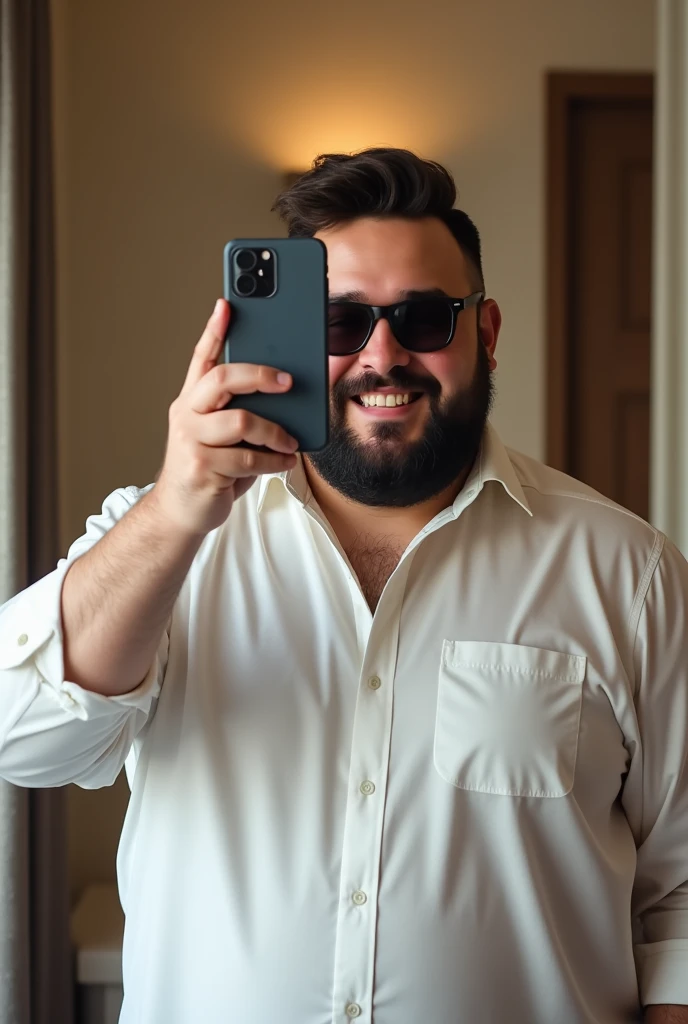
356,937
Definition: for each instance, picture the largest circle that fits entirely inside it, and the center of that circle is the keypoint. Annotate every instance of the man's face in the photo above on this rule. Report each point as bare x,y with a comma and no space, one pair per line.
405,454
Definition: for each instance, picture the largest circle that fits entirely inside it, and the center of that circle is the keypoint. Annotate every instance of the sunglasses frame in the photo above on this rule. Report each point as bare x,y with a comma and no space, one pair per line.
377,313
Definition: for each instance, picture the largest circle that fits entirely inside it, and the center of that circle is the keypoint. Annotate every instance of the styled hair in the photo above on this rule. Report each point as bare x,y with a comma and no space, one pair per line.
341,187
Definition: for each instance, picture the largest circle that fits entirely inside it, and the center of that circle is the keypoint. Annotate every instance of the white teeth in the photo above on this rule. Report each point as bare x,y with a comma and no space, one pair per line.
384,401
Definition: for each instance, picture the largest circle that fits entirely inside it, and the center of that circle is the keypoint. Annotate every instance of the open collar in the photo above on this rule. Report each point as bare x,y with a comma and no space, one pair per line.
492,464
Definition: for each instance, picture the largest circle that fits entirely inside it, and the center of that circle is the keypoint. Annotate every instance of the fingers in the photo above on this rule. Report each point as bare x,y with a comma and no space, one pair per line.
214,390
205,466
209,346
231,426
239,463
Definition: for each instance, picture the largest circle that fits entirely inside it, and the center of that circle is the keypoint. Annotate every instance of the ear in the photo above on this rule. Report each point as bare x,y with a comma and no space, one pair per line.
489,325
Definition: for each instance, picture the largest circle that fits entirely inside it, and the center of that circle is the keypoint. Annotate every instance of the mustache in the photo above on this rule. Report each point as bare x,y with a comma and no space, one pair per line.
398,377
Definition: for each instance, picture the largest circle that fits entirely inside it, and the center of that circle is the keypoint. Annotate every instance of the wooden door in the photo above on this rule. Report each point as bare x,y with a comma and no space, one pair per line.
600,235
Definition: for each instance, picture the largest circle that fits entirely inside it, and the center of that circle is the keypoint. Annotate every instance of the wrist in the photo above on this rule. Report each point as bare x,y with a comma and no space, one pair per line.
167,523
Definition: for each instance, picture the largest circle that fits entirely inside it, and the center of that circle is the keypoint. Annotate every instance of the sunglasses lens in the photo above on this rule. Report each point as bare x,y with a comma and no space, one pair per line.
423,325
348,327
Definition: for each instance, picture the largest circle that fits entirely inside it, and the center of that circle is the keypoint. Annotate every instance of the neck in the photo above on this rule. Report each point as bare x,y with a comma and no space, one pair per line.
348,519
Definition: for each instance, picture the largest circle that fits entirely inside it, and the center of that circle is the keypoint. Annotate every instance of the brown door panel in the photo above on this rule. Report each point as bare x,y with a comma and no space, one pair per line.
600,277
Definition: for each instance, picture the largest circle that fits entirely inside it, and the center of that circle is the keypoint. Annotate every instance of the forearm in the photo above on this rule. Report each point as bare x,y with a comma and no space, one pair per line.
666,1014
117,598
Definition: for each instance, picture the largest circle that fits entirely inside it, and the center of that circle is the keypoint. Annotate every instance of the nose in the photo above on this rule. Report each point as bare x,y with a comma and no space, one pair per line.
383,351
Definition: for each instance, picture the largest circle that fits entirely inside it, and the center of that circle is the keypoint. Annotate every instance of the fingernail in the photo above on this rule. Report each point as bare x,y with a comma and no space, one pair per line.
283,378
218,306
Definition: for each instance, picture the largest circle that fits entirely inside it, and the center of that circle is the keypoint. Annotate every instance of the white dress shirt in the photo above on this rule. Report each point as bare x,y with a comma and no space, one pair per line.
468,808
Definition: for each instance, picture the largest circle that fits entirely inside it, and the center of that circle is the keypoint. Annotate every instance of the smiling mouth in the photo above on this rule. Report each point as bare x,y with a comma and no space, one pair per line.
385,400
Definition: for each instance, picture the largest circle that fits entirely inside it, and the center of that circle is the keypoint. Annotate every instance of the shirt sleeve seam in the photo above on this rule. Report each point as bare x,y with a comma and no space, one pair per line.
640,600
633,627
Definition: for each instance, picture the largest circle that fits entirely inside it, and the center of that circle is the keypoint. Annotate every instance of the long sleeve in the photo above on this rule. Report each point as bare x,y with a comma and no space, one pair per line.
656,791
53,731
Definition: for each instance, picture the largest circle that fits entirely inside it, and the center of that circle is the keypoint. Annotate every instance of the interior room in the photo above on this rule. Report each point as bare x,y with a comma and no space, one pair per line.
169,128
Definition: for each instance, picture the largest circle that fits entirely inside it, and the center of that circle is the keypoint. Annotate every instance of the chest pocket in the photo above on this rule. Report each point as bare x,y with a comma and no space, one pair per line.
508,718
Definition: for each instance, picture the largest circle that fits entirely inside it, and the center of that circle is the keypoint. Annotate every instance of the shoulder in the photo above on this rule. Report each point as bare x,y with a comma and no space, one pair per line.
562,498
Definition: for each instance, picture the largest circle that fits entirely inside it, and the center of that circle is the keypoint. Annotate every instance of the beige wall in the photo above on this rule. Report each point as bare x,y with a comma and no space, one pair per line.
174,123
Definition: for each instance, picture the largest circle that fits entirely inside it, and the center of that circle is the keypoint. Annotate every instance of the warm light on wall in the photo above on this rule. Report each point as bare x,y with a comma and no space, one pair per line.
312,121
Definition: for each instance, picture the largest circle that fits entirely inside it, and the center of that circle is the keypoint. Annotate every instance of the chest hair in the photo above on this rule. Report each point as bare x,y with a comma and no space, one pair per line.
373,560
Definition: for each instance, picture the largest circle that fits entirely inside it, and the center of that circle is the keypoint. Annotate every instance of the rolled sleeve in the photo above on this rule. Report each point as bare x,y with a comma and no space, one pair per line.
662,972
656,791
53,731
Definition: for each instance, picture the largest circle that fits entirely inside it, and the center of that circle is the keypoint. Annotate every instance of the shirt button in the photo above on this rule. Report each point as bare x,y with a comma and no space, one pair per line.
359,898
23,639
367,788
353,1010
374,683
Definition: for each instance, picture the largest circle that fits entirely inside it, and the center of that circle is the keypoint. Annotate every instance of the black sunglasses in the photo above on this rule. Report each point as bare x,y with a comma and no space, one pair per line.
420,325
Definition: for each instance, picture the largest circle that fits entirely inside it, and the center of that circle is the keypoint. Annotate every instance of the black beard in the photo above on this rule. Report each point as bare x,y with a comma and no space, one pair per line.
382,473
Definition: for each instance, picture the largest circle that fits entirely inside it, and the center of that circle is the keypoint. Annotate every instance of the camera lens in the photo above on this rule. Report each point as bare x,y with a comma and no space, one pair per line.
245,284
246,259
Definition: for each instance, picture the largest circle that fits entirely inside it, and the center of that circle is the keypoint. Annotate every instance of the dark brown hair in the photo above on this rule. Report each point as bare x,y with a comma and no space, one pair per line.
341,187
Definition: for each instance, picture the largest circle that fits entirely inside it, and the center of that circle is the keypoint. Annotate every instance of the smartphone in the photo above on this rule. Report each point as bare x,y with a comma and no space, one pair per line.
277,288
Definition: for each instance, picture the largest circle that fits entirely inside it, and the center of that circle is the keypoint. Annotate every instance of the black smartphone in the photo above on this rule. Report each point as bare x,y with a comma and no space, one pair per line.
277,288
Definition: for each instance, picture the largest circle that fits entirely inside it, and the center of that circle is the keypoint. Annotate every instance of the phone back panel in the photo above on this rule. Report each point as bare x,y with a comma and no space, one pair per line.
287,330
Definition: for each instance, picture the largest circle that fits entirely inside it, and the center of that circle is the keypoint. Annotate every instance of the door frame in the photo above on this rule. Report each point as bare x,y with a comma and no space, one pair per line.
564,91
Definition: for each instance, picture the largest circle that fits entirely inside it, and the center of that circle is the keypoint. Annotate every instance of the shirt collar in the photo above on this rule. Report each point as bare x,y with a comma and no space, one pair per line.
493,463
293,480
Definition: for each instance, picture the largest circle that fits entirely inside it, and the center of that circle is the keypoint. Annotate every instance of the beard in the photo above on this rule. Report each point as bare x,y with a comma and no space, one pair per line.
384,471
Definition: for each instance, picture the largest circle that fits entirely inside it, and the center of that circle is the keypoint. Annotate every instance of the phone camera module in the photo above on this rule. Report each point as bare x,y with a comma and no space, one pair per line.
254,272
245,284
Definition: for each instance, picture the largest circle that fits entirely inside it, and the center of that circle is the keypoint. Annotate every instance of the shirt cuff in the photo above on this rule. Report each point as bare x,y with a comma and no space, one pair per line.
662,969
87,704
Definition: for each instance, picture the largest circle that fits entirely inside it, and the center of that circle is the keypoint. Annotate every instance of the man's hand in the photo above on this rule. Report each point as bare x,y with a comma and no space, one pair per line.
666,1014
204,470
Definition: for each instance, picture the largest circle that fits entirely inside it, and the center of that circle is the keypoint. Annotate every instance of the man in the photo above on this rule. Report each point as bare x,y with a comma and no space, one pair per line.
404,721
